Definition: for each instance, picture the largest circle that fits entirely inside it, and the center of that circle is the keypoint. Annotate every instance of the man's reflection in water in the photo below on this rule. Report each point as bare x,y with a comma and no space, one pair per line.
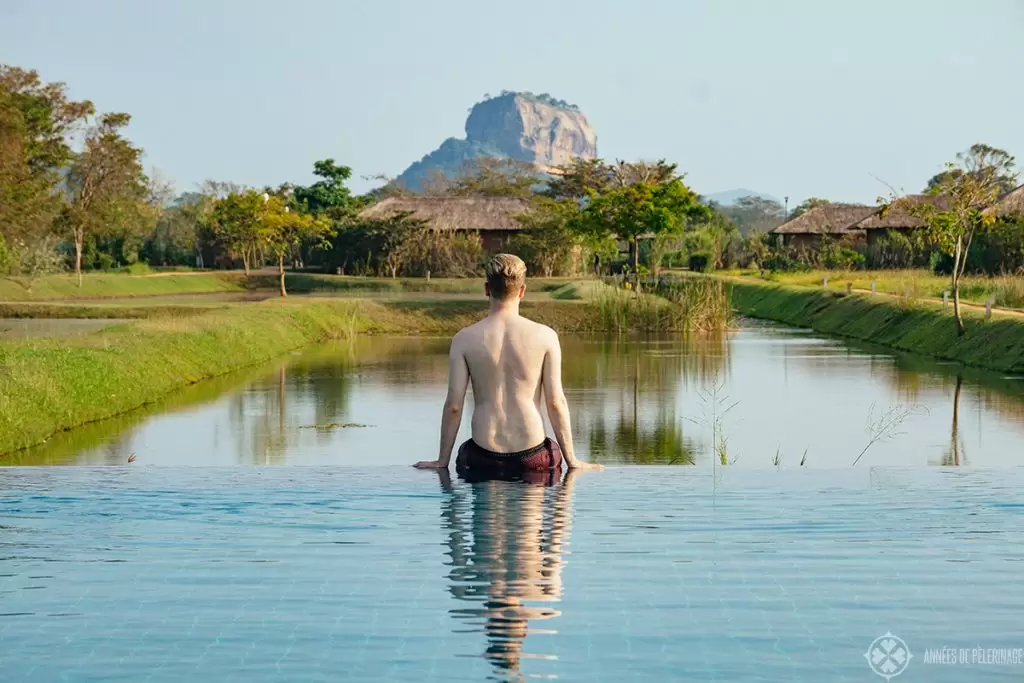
506,540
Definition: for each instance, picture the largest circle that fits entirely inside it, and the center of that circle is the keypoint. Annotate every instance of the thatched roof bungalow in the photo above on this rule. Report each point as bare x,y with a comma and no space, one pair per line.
856,221
898,217
495,219
834,220
1010,205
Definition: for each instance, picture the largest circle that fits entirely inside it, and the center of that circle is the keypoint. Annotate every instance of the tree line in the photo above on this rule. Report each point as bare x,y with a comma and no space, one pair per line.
74,195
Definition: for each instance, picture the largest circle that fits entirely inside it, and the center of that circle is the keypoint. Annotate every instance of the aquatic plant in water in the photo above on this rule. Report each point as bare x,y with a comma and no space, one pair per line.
886,426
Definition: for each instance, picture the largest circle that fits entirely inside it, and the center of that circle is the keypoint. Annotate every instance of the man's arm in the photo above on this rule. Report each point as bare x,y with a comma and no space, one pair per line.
451,418
558,407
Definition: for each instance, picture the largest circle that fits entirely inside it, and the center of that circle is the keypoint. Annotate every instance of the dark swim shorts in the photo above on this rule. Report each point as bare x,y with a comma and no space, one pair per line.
480,461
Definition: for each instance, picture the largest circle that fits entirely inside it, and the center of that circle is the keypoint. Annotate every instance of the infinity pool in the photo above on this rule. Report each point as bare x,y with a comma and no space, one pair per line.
391,574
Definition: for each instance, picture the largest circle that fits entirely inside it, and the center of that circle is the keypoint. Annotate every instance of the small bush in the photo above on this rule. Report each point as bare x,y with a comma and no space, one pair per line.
839,256
940,264
784,261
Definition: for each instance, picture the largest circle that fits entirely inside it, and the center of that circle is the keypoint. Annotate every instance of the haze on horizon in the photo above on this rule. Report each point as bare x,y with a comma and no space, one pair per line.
790,98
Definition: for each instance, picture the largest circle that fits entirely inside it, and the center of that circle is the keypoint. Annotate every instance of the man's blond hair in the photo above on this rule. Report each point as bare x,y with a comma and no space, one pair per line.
506,274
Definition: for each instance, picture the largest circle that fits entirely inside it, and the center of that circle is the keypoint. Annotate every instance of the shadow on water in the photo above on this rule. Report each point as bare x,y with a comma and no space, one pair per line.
506,541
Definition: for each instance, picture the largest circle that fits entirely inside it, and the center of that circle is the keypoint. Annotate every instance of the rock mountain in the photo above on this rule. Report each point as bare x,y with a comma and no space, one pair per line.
537,129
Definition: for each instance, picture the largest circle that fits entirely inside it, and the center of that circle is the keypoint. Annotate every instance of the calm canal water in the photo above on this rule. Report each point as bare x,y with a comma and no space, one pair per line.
186,567
779,397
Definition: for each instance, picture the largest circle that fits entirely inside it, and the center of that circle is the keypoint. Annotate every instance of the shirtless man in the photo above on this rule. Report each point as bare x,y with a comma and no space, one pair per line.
511,362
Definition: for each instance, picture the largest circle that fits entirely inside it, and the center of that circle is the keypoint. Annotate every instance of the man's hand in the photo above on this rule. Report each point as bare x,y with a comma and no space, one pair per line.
581,466
431,465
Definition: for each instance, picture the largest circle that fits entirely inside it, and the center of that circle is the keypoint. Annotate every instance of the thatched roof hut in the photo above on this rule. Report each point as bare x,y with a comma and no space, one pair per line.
899,216
835,220
476,214
1011,204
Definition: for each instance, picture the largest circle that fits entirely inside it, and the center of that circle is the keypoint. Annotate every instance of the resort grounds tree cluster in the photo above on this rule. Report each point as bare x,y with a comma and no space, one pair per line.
74,195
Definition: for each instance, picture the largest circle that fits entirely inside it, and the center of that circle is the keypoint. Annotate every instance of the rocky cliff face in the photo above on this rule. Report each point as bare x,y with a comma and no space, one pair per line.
534,129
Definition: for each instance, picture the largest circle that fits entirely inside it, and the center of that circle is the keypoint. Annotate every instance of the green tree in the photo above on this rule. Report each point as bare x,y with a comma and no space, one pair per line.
36,122
754,214
546,243
717,240
236,219
579,179
283,231
971,184
328,196
1006,180
806,205
645,207
661,246
495,177
105,184
38,258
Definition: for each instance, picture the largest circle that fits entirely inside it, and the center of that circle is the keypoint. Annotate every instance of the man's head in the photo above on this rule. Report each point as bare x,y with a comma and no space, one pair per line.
506,277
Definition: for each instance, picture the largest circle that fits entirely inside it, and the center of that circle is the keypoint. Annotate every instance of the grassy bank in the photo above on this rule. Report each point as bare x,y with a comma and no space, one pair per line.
1006,291
997,344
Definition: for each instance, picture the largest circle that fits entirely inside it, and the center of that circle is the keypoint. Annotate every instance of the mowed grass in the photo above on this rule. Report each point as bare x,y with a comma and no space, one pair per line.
112,286
1007,291
996,344
126,286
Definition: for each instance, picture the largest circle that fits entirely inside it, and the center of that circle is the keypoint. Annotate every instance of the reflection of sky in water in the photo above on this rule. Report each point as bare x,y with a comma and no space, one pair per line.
631,401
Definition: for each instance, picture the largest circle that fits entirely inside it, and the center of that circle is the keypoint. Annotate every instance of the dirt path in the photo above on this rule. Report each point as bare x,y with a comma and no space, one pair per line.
938,302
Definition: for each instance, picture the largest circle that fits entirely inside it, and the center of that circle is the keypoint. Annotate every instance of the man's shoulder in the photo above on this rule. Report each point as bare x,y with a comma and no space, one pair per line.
541,330
469,333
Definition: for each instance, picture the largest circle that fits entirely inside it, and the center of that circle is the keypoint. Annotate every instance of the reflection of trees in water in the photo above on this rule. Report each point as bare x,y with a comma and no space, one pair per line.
505,543
261,420
641,441
642,365
401,361
912,377
642,378
266,416
954,456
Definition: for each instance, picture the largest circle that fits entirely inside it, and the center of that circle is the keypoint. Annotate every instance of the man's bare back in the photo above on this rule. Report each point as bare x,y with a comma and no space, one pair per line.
515,368
505,356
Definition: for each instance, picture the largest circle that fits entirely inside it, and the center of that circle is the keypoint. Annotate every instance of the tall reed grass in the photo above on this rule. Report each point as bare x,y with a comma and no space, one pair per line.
689,304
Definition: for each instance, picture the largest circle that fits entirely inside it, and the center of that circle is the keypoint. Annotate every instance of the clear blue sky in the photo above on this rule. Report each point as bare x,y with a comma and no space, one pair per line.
787,97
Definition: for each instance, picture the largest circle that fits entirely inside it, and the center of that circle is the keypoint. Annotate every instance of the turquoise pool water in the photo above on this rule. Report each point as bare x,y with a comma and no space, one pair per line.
390,574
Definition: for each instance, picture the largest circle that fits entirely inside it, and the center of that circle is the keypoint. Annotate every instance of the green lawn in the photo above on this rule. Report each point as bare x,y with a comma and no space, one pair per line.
111,286
127,286
1007,291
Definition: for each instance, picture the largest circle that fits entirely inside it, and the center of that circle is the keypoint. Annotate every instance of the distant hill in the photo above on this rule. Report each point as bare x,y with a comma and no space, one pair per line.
537,129
729,197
